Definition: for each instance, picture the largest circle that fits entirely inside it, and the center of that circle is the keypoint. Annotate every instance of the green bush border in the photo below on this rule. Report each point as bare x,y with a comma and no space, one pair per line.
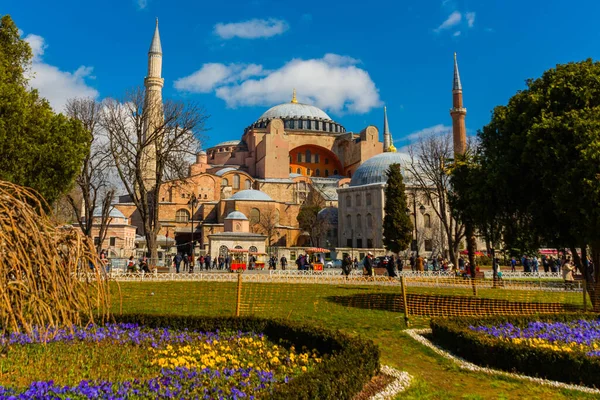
354,360
454,335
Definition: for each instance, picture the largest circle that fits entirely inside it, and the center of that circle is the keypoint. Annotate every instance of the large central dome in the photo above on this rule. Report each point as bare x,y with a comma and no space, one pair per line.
294,110
299,117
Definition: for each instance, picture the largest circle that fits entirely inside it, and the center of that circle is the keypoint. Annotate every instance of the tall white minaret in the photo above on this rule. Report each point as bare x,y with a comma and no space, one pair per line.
388,143
153,108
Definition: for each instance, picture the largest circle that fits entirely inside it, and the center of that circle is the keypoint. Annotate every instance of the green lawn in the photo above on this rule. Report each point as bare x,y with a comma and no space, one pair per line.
371,311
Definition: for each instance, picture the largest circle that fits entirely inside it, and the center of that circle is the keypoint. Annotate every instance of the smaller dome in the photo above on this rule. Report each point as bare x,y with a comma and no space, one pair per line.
374,169
329,214
223,171
202,152
114,213
251,195
236,215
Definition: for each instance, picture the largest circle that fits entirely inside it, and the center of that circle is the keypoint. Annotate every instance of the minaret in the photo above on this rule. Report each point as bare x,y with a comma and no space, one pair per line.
458,113
388,143
153,108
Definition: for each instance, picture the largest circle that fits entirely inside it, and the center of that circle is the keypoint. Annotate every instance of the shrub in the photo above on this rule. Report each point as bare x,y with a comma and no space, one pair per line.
455,335
353,361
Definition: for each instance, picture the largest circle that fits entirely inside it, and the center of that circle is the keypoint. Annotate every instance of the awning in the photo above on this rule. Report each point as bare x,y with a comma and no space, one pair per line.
238,251
317,250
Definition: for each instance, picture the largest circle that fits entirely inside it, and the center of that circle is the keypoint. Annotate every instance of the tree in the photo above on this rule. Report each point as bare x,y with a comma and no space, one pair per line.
428,174
38,148
93,200
169,144
538,164
268,223
397,226
308,218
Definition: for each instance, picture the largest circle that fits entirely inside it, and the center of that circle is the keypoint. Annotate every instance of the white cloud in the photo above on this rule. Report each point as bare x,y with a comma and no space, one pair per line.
457,33
453,19
333,82
436,130
470,16
252,29
213,75
55,85
141,4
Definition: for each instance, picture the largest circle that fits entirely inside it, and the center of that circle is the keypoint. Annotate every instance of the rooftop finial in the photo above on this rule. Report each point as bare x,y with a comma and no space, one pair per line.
155,46
457,85
294,100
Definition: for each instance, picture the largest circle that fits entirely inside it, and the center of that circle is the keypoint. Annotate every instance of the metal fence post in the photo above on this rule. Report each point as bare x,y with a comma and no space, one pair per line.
238,302
404,300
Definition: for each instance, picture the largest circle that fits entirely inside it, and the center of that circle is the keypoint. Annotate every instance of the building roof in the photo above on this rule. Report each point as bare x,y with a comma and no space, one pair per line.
236,215
250,195
114,213
294,110
155,46
223,171
373,170
229,143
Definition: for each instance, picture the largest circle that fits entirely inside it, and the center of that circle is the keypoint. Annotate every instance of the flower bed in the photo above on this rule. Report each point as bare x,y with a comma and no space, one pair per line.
193,357
562,347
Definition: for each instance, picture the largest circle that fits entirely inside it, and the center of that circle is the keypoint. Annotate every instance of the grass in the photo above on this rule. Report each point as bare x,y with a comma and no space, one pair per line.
436,377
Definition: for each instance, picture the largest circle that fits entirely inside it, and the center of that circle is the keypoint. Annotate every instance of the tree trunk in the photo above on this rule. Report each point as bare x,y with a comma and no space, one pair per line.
152,247
594,287
470,247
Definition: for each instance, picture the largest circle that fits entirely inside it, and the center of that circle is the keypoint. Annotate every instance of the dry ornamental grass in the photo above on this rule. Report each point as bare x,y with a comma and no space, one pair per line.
48,274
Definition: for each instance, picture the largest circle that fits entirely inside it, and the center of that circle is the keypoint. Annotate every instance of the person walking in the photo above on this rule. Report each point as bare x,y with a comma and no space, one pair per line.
420,264
390,267
412,262
177,262
131,265
346,265
399,264
368,263
283,262
567,272
513,264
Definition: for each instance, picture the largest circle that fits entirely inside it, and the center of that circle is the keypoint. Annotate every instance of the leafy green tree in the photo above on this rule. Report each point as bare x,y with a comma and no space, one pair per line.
539,164
38,148
309,220
397,226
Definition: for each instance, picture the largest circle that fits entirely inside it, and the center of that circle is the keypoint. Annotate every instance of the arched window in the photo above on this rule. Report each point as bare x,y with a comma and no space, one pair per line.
182,215
327,161
252,249
326,172
358,200
348,201
224,182
248,183
308,171
427,220
318,172
335,171
307,156
358,221
309,124
316,158
369,221
349,221
287,125
298,171
368,198
223,251
299,157
236,181
300,124
254,216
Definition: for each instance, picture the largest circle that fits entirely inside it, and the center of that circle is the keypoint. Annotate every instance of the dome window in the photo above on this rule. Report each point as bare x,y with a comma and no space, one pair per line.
308,156
316,158
326,172
318,172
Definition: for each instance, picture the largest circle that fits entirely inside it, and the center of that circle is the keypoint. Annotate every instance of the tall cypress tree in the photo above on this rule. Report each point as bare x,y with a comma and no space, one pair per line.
397,226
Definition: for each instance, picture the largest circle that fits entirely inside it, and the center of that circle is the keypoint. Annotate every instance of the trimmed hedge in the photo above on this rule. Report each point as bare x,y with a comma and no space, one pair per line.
353,362
571,367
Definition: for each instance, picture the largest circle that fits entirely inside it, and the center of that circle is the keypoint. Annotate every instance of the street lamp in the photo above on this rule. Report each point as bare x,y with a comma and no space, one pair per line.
193,201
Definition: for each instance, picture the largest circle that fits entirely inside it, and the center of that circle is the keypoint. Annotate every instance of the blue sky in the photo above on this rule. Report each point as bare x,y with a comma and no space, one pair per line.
238,58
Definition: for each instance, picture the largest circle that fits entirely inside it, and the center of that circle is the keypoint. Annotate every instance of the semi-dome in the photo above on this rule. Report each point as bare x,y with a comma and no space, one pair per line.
236,215
373,170
251,195
294,110
225,170
230,143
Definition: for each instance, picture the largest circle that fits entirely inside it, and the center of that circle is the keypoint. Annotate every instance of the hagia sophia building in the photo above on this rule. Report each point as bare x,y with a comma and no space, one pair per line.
291,150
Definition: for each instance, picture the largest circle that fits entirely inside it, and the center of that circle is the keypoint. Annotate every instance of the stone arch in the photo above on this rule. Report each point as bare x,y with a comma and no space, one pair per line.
310,157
